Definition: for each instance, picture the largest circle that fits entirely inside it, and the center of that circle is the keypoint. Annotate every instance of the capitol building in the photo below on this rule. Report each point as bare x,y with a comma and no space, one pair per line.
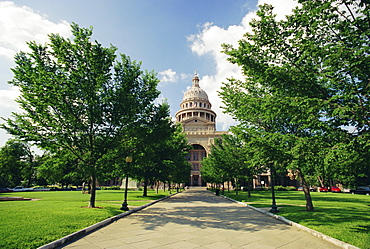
199,124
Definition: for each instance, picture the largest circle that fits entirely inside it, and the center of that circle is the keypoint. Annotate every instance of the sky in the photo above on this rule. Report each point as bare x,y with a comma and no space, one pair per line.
174,38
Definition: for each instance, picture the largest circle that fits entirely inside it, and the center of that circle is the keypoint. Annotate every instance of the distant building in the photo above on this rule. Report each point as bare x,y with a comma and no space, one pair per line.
199,123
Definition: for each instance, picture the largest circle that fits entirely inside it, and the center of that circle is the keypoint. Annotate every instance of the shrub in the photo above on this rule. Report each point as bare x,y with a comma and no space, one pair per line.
283,188
110,188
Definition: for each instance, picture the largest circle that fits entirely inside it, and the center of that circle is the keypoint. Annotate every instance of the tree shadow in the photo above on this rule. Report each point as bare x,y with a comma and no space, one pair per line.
204,210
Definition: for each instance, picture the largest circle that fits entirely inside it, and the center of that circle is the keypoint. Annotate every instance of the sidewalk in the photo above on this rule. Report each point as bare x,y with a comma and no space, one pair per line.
197,218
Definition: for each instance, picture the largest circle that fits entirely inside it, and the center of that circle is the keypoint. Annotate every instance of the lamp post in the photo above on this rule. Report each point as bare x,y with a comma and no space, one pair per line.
274,208
124,204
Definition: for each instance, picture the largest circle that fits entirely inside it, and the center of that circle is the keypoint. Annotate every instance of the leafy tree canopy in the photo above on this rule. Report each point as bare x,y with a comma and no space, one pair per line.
306,77
78,96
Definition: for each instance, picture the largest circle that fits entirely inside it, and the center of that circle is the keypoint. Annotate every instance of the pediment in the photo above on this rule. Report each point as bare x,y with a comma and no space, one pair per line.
196,120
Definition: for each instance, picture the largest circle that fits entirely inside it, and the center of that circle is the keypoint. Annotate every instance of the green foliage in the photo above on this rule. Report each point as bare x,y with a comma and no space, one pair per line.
17,164
283,188
111,188
160,151
306,77
77,97
231,159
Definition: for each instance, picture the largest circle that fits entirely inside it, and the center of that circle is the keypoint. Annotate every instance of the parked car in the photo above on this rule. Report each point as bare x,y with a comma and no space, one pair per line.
5,190
365,190
346,190
301,189
68,189
335,189
41,189
22,189
322,189
62,189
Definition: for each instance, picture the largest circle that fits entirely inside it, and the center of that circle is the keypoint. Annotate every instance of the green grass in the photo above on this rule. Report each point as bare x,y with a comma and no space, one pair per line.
342,216
30,224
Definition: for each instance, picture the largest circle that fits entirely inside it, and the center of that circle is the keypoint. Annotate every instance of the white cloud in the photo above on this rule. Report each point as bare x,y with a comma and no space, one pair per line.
209,41
167,76
7,98
19,24
281,7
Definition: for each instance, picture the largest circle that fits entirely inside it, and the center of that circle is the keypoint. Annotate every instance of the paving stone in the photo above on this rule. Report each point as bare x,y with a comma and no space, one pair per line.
196,218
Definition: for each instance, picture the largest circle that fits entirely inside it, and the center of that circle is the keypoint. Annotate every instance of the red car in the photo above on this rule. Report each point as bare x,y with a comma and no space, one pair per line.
323,189
5,190
335,189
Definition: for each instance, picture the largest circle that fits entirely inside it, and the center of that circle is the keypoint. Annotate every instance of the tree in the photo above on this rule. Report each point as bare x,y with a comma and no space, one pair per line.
214,167
175,150
230,160
305,77
76,96
17,164
60,167
161,149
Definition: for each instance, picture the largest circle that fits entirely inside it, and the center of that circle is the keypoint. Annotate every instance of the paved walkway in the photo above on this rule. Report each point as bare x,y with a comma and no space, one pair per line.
197,218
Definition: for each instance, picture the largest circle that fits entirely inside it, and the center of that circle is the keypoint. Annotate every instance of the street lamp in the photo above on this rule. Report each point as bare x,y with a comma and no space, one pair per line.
124,204
274,208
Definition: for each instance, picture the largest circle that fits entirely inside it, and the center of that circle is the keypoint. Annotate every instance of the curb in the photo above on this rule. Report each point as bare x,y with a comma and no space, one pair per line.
298,226
87,230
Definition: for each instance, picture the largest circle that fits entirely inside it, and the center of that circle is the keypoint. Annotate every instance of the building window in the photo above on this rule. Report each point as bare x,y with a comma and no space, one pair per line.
200,104
195,156
203,154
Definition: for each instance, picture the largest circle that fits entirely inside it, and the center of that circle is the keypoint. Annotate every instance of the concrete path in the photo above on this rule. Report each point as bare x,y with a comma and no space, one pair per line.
197,218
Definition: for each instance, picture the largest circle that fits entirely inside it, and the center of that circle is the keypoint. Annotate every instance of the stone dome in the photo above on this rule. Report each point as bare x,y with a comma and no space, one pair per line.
195,92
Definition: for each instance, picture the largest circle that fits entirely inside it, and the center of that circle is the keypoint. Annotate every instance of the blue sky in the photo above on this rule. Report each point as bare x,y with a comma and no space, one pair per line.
172,37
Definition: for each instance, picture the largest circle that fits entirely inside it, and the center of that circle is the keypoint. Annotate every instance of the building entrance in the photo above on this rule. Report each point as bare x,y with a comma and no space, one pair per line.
195,157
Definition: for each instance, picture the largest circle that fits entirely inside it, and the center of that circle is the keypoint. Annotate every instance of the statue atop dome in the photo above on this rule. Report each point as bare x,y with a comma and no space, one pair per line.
195,79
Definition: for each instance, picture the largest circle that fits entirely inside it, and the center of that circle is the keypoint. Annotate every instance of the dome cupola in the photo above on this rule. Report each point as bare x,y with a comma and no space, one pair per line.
195,105
195,92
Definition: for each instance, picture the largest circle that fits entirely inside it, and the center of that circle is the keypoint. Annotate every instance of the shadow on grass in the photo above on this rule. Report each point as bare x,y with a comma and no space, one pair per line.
113,211
361,229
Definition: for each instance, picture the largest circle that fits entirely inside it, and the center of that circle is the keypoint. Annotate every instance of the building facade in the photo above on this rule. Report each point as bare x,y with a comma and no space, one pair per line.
199,123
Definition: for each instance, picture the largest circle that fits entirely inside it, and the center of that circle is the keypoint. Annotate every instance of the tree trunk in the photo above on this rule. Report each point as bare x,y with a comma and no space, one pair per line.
92,191
223,187
157,189
249,187
145,192
236,186
306,190
321,181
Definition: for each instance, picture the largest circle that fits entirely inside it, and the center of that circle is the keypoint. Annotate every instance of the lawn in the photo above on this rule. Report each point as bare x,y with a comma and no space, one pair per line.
340,215
30,224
